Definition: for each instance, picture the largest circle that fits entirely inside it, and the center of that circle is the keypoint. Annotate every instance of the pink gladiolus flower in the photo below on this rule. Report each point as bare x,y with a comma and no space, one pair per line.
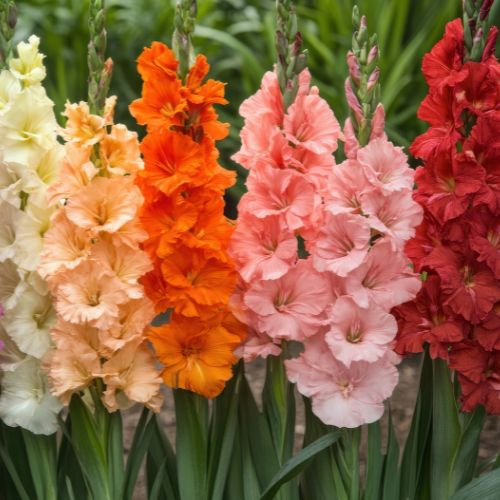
311,124
358,334
263,248
291,307
341,243
395,215
385,166
345,185
279,192
384,278
342,396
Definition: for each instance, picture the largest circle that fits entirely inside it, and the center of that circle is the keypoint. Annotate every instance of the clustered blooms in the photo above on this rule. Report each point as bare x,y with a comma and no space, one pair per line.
457,246
92,263
188,234
29,157
354,219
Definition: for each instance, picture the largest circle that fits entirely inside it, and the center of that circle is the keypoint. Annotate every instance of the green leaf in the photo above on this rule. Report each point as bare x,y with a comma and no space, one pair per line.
485,487
464,461
68,468
16,465
191,411
374,463
155,491
418,441
159,450
11,469
321,479
297,463
42,458
89,449
445,430
391,475
115,455
140,443
257,435
222,433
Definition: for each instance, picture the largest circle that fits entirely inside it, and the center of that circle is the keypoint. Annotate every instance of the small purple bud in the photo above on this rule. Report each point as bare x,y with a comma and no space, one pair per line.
373,79
372,55
363,25
297,43
485,9
353,65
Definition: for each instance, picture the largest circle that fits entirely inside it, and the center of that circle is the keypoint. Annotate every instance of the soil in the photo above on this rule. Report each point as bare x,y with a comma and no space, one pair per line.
402,403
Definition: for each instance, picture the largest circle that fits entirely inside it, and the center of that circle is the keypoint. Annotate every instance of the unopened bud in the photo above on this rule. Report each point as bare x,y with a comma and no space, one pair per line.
373,79
353,65
12,16
297,43
373,54
355,17
485,9
489,48
478,36
353,101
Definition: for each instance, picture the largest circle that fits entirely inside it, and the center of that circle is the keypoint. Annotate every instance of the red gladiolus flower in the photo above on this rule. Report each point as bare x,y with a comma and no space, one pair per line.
457,246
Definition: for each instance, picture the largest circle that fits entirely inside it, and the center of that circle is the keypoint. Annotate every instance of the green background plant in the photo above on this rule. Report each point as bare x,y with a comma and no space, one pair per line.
238,38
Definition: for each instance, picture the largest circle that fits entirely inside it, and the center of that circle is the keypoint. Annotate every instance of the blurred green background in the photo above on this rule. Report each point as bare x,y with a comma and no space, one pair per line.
238,38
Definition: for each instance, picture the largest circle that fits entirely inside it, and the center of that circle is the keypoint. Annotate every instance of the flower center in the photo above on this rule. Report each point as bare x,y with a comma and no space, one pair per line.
354,333
345,387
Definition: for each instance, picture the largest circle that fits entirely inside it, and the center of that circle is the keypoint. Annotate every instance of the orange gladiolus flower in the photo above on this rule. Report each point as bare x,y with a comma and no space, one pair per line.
188,234
198,355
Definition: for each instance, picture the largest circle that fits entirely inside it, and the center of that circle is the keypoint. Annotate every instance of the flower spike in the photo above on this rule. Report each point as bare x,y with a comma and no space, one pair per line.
362,87
477,39
99,68
185,16
291,59
8,21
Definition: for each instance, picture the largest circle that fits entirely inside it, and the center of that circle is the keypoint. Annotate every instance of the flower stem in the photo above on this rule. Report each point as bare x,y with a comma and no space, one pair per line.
99,68
184,22
477,41
291,59
8,21
362,86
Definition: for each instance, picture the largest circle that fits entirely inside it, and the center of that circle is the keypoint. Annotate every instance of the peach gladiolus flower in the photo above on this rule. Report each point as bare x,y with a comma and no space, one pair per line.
130,377
81,126
105,205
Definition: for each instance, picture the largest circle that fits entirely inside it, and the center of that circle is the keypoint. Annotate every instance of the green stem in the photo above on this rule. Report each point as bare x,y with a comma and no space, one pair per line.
362,86
99,68
8,21
291,59
184,21
475,22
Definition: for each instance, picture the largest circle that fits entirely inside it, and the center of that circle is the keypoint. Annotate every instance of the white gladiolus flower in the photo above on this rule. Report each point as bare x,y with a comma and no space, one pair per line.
15,179
9,88
9,217
29,323
10,355
12,284
26,400
29,235
28,67
29,163
47,167
28,127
